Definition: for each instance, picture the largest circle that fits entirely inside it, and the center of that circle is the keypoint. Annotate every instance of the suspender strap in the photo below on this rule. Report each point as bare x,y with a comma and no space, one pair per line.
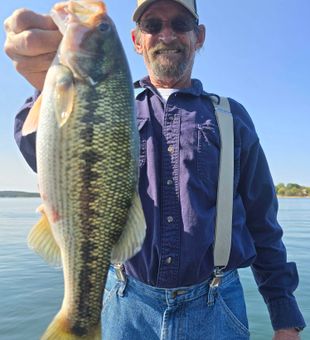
224,206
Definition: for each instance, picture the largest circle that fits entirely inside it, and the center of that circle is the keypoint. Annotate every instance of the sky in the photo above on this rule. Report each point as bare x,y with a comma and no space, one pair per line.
257,52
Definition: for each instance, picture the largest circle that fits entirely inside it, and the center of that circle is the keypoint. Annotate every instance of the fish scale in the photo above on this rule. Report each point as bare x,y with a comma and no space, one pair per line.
88,171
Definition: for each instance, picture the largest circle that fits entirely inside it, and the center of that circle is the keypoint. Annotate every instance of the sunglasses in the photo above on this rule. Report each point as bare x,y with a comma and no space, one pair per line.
178,25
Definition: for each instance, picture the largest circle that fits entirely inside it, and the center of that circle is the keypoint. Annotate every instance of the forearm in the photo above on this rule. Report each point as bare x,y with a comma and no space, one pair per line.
32,40
276,278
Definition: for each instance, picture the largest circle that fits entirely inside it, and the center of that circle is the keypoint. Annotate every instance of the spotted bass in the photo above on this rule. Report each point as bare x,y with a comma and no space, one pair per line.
87,159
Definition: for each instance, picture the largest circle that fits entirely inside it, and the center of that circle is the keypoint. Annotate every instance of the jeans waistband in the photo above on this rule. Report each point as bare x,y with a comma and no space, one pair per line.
180,293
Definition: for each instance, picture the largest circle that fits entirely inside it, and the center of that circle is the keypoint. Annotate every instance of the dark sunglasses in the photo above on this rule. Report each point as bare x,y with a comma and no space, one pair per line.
178,24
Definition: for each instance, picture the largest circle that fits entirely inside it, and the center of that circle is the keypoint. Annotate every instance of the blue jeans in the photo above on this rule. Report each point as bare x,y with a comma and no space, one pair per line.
135,311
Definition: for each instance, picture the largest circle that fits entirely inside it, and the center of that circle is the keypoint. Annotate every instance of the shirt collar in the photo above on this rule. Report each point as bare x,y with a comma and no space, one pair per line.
196,89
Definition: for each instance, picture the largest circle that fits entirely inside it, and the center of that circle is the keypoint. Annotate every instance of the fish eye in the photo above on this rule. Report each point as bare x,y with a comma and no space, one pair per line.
103,27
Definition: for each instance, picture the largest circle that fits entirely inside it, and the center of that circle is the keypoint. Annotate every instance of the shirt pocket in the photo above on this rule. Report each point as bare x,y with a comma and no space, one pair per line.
143,132
208,152
208,155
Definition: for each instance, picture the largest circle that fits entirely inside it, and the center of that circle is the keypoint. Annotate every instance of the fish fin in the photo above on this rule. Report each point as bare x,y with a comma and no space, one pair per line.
59,328
64,93
42,241
32,120
131,240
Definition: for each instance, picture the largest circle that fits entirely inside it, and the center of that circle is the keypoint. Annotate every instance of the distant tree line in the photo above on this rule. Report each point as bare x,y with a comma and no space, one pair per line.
292,189
13,194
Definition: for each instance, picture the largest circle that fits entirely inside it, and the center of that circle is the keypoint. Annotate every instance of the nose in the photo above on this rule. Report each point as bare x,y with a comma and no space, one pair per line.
167,34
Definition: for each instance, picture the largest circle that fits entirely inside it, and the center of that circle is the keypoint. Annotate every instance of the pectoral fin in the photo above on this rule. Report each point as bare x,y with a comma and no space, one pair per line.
133,235
64,93
42,241
32,120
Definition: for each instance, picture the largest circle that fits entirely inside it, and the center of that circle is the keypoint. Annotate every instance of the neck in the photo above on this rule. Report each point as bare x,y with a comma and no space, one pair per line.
170,83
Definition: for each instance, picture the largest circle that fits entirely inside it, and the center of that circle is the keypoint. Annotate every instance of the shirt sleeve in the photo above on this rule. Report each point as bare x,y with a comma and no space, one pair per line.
276,278
26,144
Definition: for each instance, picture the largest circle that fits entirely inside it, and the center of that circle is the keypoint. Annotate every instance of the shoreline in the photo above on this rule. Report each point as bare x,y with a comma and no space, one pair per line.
293,196
20,194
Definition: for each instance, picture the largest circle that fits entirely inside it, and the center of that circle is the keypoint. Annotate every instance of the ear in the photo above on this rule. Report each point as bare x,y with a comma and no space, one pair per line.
201,36
136,39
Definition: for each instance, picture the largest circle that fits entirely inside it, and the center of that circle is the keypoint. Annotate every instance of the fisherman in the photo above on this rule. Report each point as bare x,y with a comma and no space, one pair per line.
168,290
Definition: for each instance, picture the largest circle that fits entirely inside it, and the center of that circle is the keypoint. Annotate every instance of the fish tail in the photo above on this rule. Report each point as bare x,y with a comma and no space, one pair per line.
59,328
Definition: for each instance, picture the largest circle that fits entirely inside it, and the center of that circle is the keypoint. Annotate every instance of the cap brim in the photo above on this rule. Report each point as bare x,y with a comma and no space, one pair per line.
140,10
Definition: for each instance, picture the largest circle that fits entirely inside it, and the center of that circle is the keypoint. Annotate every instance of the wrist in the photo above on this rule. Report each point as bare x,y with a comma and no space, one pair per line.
287,334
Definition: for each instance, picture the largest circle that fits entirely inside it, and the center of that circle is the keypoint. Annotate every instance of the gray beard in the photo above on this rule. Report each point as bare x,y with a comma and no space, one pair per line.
165,68
169,71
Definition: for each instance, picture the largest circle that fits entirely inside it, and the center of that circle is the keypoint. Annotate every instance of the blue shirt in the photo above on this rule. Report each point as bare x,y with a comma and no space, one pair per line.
179,165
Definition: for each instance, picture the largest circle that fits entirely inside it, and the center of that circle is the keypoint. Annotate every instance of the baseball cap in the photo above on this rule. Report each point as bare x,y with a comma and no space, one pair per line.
142,5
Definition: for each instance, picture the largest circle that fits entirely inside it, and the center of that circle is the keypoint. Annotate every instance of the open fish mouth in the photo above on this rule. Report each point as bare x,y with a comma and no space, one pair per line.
88,13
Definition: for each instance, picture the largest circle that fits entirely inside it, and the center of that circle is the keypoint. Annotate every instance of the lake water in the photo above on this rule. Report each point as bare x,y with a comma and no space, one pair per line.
31,291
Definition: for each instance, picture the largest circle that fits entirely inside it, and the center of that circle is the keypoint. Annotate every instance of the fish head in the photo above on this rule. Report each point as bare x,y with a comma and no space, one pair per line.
87,47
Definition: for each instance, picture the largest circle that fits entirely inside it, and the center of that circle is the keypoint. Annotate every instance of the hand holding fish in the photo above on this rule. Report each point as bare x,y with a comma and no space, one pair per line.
31,42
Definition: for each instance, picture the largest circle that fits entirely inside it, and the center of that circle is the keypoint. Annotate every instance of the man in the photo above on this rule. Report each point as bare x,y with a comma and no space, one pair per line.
166,290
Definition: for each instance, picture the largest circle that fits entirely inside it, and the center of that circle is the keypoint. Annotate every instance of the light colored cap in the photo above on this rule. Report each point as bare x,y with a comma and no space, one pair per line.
142,5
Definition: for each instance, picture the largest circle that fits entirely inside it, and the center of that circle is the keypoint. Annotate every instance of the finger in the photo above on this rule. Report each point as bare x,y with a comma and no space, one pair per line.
32,43
23,19
35,64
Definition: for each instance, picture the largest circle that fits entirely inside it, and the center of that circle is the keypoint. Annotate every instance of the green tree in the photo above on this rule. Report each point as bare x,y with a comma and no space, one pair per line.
281,191
292,189
293,185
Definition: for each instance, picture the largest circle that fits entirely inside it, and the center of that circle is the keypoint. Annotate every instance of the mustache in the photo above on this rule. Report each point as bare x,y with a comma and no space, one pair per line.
162,46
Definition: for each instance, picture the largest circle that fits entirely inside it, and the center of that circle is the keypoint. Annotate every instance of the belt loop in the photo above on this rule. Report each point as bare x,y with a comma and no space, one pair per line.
211,295
121,276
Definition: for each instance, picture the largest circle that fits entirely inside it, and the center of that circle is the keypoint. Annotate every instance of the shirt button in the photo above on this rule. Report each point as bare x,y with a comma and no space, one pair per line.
170,148
168,260
170,219
169,182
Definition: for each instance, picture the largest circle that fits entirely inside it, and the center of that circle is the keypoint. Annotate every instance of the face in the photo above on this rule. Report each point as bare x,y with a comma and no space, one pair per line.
168,54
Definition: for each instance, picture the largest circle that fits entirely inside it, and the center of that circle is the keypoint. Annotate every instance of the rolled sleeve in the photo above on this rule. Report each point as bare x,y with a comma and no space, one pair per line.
26,144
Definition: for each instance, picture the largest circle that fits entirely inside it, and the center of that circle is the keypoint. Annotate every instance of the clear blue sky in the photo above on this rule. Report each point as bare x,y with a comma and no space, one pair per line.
256,52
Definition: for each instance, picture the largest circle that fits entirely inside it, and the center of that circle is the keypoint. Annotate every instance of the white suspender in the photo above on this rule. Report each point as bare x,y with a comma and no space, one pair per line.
224,206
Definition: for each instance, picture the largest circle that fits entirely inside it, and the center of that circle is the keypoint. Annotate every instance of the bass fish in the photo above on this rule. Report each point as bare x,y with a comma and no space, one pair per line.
87,160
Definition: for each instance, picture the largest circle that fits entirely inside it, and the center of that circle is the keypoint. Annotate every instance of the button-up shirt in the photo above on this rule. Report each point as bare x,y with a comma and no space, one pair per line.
179,166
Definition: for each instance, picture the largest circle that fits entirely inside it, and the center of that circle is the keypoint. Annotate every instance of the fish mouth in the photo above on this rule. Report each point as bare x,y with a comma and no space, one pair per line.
85,12
79,20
